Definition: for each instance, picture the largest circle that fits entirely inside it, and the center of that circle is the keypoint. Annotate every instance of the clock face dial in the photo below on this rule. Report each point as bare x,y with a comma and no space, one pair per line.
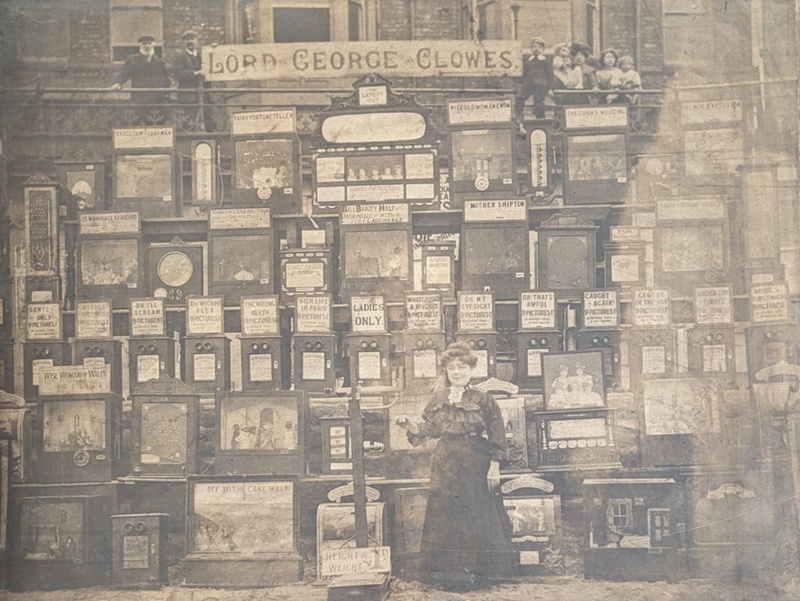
175,269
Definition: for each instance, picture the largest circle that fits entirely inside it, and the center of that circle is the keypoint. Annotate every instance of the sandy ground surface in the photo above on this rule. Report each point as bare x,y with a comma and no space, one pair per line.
527,589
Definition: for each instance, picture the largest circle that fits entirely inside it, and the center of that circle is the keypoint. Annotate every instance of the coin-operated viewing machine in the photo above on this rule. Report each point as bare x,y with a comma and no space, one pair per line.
482,140
151,351
94,345
109,261
241,254
145,173
438,267
305,271
476,327
712,340
266,162
174,271
206,349
566,255
139,542
369,344
538,334
263,351
600,330
42,277
44,346
314,344
495,245
423,339
165,428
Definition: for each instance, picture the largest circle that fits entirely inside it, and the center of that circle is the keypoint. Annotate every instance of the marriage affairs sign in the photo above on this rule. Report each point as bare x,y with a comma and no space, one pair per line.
454,58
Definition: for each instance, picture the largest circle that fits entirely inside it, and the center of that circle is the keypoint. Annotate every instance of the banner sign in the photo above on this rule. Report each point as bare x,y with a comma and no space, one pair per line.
415,58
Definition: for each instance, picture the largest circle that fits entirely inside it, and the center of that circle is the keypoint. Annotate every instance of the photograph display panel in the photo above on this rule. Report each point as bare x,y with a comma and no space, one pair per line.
52,530
495,251
144,176
237,518
681,406
264,164
267,424
240,259
74,425
377,254
110,262
597,158
573,380
482,153
698,247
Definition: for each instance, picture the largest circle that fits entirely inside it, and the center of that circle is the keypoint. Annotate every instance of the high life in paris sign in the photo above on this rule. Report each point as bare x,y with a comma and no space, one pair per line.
407,58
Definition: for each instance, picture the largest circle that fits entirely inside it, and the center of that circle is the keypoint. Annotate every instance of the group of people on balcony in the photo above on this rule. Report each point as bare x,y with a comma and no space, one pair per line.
572,68
146,70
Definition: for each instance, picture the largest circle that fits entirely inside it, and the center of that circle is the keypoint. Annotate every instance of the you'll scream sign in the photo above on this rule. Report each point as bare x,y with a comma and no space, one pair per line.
454,58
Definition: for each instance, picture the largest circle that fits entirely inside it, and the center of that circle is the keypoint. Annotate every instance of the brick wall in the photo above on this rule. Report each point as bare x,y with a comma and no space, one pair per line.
90,38
206,17
438,20
619,25
393,20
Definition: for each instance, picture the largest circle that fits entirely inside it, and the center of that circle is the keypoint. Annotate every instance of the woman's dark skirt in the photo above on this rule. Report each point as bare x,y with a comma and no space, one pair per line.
466,538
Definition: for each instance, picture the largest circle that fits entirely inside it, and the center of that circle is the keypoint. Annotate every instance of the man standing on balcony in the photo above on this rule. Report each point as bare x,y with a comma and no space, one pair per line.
145,70
187,72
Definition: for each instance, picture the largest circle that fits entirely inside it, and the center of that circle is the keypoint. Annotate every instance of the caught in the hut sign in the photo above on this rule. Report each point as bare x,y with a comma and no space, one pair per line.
418,58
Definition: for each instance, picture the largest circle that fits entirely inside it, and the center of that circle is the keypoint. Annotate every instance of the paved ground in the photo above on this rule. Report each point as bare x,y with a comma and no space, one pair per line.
527,589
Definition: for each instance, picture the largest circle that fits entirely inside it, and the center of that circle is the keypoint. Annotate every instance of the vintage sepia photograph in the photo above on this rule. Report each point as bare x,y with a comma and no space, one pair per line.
407,300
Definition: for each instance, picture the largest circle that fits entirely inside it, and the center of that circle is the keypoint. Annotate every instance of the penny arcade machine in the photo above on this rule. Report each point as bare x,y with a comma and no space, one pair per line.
85,185
625,260
369,343
241,253
266,161
495,247
145,172
264,355
151,351
165,429
314,344
566,255
261,432
600,330
482,144
44,345
712,339
6,336
438,268
206,349
94,345
538,334
476,327
424,339
110,264
305,271
576,428
174,271
42,276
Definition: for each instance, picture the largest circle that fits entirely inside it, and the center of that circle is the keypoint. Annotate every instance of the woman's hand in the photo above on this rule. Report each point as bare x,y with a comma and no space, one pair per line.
407,423
493,476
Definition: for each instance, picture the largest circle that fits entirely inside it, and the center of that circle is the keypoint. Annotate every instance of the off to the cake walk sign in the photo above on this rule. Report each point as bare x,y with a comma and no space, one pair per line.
454,58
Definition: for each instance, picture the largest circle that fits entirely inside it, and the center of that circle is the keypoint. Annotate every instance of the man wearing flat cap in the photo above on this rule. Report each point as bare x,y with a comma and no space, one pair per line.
145,70
186,70
537,79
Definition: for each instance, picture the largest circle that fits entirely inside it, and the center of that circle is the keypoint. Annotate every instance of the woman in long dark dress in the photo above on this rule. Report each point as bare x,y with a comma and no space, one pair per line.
466,538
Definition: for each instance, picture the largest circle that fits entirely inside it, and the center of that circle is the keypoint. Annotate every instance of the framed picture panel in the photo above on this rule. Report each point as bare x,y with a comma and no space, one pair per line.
573,380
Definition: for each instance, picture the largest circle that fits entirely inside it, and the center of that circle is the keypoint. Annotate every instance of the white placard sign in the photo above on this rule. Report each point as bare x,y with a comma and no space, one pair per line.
596,117
239,219
651,307
625,234
260,316
373,95
263,122
464,112
401,58
769,302
355,560
495,210
475,312
148,367
204,367
126,222
691,208
204,315
132,138
713,305
92,319
368,314
600,309
147,317
261,367
537,310
313,315
74,379
423,311
43,321
375,214
717,111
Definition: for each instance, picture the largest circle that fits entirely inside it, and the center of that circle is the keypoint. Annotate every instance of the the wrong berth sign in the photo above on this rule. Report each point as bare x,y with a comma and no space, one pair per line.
420,58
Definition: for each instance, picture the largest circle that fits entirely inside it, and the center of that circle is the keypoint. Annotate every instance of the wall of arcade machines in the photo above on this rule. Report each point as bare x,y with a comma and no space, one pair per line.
192,387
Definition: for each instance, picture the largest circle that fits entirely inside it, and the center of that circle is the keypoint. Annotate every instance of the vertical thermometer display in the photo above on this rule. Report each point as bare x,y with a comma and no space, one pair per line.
540,171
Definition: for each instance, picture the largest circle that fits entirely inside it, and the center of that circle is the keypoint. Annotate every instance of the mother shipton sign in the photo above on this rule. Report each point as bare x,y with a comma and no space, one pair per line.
416,58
